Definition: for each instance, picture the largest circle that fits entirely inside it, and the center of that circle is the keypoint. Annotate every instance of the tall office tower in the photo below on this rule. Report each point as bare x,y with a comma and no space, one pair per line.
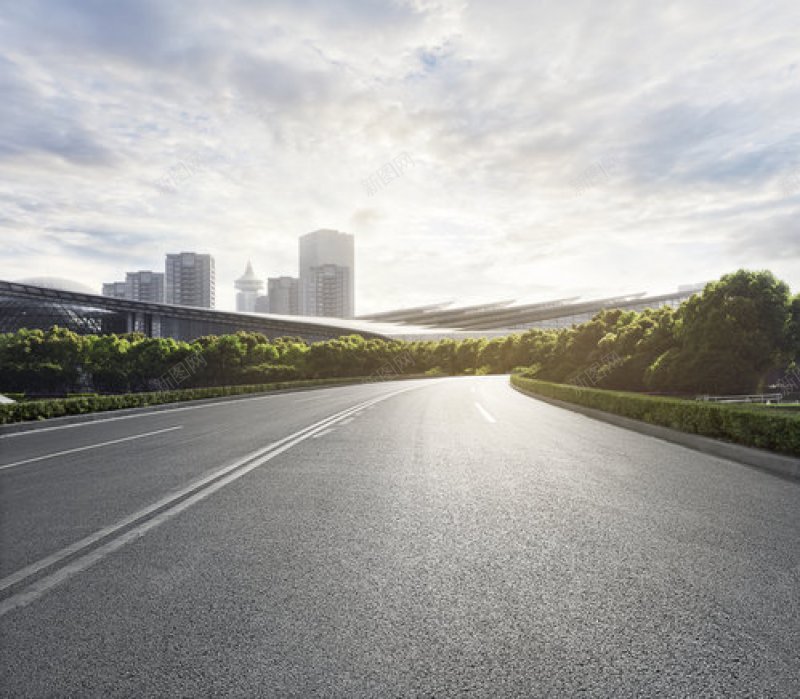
247,286
190,280
283,294
327,272
262,304
117,290
145,285
328,289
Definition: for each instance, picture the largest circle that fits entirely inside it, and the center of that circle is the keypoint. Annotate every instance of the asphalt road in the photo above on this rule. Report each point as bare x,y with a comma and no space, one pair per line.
418,538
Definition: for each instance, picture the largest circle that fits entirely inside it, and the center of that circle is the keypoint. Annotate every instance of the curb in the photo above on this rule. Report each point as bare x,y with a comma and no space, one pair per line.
786,466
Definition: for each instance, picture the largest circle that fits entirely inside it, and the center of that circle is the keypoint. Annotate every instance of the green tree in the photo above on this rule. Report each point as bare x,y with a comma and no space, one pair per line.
107,360
727,338
225,357
793,332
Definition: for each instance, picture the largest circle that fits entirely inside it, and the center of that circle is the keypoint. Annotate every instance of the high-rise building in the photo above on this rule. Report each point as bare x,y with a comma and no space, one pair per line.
247,286
283,294
117,290
262,304
190,280
327,274
138,286
145,285
327,291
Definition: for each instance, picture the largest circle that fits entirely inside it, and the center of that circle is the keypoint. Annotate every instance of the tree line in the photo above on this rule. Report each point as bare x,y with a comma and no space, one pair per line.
741,333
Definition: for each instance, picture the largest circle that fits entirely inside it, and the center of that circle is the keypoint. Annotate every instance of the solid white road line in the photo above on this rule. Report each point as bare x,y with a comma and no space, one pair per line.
197,491
484,412
3,467
323,433
46,562
149,413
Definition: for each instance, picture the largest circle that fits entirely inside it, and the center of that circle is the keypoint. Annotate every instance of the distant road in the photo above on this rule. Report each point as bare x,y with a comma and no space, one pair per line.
414,538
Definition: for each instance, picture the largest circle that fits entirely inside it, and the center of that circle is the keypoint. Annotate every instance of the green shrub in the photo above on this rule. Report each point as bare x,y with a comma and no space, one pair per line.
747,425
77,405
436,371
266,373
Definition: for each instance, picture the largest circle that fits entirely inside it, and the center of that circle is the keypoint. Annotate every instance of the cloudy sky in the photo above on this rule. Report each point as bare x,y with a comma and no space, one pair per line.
526,149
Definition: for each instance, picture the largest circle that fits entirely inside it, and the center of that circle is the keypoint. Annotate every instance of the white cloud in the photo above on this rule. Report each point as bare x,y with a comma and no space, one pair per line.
265,118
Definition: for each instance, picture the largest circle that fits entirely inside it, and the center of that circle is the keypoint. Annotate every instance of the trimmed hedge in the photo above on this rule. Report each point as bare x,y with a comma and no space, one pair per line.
78,405
746,425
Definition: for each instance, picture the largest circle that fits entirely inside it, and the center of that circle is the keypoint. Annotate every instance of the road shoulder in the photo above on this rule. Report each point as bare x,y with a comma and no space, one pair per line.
781,465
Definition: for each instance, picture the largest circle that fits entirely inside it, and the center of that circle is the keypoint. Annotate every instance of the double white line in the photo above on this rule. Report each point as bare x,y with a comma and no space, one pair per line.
84,553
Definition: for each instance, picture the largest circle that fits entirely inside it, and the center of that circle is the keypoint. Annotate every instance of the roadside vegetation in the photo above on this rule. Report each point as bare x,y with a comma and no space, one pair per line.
741,335
92,403
775,430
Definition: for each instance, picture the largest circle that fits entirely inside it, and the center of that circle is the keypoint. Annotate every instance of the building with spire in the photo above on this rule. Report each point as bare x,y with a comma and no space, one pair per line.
248,287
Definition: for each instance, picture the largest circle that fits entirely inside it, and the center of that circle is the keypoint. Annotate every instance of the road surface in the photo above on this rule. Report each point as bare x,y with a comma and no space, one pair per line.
416,538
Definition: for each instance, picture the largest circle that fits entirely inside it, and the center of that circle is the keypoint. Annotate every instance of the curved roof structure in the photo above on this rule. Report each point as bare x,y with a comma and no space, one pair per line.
58,283
23,304
90,311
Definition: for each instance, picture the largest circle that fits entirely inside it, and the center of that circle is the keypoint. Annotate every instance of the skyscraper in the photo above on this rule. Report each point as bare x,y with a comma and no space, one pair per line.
190,280
247,286
262,304
327,274
117,290
327,289
283,295
145,285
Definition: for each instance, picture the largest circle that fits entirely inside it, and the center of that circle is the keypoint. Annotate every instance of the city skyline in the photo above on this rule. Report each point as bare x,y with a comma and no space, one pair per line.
288,307
515,151
323,285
